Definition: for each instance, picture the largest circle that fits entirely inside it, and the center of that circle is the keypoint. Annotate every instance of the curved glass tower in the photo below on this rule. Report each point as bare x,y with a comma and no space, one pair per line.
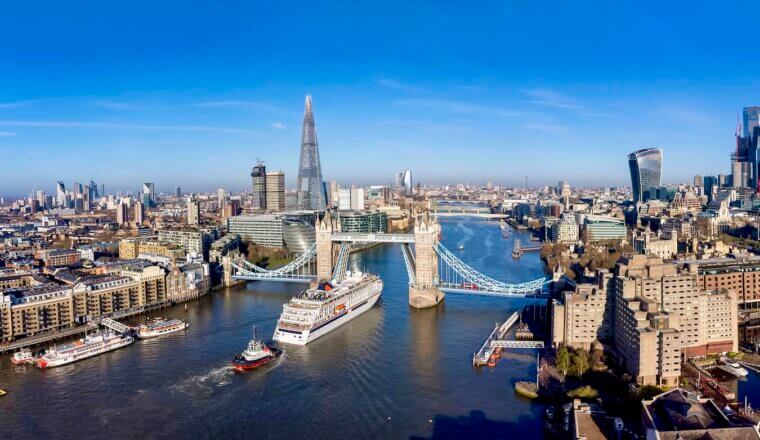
646,170
311,190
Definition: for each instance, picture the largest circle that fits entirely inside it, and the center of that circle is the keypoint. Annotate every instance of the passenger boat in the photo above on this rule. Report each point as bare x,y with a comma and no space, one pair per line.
317,311
734,369
23,356
84,348
255,355
160,327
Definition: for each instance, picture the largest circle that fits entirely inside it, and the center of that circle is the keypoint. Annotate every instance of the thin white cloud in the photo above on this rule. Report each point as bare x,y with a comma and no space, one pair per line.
545,127
550,98
7,133
115,105
277,125
254,105
398,85
460,107
117,125
14,104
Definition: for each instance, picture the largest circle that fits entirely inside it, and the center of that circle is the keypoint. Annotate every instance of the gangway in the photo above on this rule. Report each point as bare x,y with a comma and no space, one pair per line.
486,350
115,325
503,343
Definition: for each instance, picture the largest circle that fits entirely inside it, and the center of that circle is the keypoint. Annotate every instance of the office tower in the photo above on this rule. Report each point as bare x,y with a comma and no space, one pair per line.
193,212
344,199
221,197
710,183
139,213
750,120
40,197
399,181
93,190
406,182
60,195
333,194
741,174
357,198
275,191
102,190
122,213
722,181
149,194
309,185
646,170
699,181
86,199
79,203
259,182
178,192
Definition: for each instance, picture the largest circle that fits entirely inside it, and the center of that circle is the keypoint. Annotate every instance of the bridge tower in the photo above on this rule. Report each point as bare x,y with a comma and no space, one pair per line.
424,292
325,251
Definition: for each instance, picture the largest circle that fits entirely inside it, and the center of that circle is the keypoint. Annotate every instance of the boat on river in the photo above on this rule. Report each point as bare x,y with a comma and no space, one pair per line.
256,354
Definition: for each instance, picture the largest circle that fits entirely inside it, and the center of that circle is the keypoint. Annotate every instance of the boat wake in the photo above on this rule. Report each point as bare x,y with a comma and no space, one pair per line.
198,386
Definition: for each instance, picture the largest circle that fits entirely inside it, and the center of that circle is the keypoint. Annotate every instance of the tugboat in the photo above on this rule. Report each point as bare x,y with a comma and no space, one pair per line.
255,355
23,356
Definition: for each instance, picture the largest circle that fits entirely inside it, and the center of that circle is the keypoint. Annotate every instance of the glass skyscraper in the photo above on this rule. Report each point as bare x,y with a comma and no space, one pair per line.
750,120
646,170
311,190
259,186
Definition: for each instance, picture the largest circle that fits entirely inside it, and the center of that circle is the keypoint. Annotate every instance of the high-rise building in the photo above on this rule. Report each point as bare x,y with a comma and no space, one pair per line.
221,198
139,213
646,170
259,181
60,195
193,212
311,193
149,194
275,191
122,213
406,182
750,120
333,194
178,192
357,198
94,194
344,199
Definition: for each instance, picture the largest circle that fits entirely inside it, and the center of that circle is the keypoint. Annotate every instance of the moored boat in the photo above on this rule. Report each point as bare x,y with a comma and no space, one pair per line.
84,348
256,354
161,327
23,356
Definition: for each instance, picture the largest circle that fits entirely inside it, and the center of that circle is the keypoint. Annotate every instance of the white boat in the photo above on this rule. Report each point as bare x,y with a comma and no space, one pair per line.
734,369
161,327
23,356
318,311
89,346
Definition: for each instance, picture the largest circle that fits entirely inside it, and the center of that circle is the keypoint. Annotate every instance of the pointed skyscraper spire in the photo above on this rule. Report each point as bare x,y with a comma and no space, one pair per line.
311,192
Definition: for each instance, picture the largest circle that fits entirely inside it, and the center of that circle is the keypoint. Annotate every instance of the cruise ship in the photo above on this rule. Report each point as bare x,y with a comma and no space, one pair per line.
318,311
84,348
160,327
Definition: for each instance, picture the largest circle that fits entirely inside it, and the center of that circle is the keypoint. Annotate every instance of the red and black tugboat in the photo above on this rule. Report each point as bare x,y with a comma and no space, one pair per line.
255,355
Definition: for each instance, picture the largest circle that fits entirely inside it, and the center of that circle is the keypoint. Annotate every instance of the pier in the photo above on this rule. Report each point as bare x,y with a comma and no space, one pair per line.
81,329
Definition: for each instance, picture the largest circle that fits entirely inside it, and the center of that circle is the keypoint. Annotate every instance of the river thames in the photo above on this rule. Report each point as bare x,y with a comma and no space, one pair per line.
394,372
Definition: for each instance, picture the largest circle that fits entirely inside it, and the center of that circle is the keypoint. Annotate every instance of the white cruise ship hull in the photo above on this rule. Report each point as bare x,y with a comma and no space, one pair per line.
288,336
57,361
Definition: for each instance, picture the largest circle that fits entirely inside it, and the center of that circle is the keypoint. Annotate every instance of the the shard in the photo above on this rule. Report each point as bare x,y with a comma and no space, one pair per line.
311,190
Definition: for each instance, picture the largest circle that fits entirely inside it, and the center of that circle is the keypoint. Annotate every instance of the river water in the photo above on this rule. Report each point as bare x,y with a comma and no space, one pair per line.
393,372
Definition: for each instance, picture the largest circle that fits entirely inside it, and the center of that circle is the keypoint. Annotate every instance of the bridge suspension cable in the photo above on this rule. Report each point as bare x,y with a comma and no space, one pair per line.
296,270
341,265
456,275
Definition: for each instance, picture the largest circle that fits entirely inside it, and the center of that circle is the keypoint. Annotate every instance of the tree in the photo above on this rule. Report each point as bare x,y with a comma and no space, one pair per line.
563,360
579,363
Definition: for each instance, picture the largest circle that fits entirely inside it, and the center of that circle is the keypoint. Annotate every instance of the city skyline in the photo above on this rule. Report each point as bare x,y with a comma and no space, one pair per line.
427,95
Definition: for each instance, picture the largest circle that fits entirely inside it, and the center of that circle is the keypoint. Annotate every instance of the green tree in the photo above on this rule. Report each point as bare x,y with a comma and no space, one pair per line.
563,360
579,363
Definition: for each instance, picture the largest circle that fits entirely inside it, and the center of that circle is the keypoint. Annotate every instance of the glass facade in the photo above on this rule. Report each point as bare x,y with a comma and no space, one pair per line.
646,170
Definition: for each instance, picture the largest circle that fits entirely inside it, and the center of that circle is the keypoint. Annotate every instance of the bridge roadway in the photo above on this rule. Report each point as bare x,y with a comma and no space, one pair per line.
352,237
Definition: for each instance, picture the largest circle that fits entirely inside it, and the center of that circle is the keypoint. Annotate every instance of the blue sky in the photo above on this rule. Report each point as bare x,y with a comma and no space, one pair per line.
191,95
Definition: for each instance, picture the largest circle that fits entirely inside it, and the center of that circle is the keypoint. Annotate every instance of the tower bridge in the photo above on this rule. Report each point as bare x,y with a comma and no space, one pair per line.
432,269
